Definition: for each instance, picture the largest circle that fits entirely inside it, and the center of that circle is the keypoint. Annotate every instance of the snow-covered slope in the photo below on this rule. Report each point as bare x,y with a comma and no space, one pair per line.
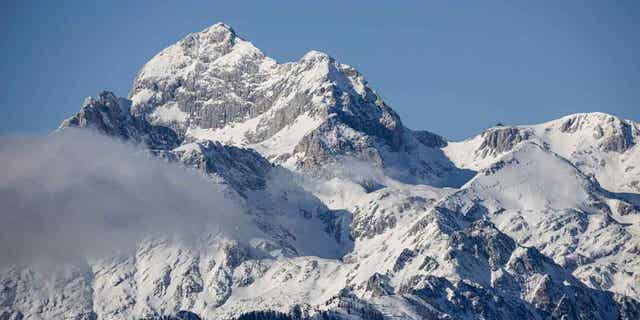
599,144
352,215
544,201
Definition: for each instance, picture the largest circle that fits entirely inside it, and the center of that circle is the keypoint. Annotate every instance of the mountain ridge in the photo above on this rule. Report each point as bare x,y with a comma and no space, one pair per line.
356,215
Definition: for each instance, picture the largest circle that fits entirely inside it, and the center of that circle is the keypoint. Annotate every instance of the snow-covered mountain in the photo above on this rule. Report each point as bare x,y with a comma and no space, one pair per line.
599,144
544,201
215,85
353,215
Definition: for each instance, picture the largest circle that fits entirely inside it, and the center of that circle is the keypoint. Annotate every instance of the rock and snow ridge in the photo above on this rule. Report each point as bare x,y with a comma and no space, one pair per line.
359,217
214,85
599,144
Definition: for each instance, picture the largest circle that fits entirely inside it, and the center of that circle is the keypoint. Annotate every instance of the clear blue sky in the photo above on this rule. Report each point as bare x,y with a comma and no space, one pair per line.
452,67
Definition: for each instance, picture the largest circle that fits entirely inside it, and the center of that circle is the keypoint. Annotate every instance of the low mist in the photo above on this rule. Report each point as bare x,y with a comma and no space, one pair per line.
77,193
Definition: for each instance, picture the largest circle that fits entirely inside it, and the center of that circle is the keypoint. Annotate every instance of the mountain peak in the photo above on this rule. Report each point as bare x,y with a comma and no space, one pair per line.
214,85
221,27
595,114
315,55
219,33
577,121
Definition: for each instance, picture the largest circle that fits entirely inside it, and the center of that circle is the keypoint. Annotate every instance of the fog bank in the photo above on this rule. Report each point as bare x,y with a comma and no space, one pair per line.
77,193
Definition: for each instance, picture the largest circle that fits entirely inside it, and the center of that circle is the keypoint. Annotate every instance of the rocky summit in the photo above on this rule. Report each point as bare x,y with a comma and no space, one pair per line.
352,215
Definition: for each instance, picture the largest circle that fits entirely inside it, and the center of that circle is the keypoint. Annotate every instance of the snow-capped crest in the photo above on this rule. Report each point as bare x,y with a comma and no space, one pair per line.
315,55
221,27
600,144
218,34
593,126
615,134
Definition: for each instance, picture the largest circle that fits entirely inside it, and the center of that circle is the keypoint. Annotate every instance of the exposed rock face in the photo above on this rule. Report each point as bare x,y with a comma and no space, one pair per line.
178,81
513,269
213,78
405,256
499,140
614,134
110,115
620,141
578,232
378,285
381,210
319,150
243,169
494,246
430,139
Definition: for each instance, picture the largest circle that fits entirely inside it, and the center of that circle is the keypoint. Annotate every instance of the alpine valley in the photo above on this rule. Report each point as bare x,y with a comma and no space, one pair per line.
354,215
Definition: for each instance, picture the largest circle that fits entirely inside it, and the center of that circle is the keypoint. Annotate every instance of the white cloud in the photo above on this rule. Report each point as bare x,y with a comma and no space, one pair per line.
80,194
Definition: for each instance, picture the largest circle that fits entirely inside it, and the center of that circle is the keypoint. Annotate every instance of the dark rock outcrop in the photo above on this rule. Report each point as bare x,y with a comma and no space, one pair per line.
110,115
